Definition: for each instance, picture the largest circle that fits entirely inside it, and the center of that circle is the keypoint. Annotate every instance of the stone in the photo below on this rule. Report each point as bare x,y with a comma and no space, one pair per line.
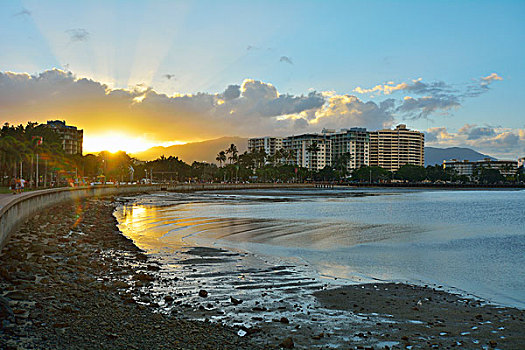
203,293
143,277
284,320
287,343
235,301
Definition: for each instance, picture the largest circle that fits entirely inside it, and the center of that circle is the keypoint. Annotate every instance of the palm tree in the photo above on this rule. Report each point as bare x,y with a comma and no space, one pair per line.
313,149
341,163
221,157
232,151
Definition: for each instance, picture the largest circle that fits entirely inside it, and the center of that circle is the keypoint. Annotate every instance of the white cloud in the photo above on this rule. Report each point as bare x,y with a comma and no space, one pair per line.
492,77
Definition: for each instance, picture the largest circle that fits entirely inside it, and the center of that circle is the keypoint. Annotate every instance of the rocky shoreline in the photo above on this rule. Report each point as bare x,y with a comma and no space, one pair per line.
67,280
70,279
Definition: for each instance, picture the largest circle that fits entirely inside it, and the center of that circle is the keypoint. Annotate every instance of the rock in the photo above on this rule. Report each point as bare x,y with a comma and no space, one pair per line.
235,301
203,293
143,277
287,343
168,299
319,336
5,309
120,285
284,320
15,295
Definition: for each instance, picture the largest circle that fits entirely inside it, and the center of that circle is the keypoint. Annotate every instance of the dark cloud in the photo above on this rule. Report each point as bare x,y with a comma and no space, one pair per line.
231,92
286,59
436,134
23,12
289,104
474,132
249,109
422,107
437,88
435,97
78,34
300,124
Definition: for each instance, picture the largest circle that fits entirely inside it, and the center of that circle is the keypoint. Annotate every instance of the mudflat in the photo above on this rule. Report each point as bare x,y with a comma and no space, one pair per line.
67,280
425,317
70,279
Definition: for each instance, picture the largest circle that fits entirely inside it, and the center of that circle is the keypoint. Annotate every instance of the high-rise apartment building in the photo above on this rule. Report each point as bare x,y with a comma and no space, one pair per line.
391,149
311,151
351,145
472,169
72,138
268,144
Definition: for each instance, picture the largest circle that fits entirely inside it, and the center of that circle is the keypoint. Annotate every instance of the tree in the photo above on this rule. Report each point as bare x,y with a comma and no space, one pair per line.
438,173
341,164
221,158
232,151
371,173
411,173
312,149
490,176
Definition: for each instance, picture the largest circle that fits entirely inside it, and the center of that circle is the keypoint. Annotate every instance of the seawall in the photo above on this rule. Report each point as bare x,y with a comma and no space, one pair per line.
16,209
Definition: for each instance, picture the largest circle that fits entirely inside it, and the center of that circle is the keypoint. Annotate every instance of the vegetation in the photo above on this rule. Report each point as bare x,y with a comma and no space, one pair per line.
22,148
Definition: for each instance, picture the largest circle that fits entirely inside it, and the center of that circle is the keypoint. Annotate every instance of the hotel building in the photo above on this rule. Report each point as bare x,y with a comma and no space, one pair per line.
391,149
471,169
268,144
311,151
72,138
355,143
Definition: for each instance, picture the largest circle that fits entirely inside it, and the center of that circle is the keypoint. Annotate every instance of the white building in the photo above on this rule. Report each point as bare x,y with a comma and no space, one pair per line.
311,151
268,144
472,169
355,144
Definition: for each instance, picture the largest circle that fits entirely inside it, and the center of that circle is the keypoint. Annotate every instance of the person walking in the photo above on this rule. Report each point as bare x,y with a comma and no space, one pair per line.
13,185
22,184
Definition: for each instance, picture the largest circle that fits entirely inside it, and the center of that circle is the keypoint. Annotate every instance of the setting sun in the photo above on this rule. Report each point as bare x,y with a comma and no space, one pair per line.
115,142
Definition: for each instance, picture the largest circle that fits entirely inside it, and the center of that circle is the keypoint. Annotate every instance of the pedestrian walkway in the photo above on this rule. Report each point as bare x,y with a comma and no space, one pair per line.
6,198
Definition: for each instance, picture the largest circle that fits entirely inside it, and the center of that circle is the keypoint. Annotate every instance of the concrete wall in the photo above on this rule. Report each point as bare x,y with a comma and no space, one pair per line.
17,209
20,207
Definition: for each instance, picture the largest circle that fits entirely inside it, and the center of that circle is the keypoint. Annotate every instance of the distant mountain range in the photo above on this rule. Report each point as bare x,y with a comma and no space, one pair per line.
206,151
435,155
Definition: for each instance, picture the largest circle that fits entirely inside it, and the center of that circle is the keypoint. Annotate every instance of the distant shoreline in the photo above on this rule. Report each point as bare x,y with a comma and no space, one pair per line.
437,186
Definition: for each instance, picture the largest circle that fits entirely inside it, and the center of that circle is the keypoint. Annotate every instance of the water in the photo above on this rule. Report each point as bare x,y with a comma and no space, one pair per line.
467,241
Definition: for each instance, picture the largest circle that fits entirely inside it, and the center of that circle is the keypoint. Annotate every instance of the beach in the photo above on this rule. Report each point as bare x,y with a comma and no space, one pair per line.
70,279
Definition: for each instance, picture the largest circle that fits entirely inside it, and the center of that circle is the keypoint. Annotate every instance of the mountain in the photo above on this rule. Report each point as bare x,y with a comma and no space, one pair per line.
435,155
205,151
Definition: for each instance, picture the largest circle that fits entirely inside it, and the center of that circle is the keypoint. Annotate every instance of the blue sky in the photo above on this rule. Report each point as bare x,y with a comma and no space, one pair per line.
329,47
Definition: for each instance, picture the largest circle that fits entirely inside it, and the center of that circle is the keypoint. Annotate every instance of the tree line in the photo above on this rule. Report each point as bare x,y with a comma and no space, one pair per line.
23,150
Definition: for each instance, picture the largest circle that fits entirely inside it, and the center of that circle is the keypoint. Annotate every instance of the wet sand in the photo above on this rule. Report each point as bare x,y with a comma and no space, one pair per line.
424,317
70,279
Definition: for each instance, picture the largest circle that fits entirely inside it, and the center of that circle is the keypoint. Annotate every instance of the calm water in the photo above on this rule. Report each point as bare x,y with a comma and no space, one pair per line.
469,241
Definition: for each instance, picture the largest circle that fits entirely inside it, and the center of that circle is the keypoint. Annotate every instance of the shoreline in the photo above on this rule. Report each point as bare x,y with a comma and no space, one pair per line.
71,279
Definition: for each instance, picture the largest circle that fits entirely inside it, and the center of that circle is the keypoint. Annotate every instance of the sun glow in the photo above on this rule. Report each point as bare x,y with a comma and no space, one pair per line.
114,142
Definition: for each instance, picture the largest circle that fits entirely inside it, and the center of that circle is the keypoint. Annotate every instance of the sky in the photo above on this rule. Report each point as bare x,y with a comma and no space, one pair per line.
135,74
